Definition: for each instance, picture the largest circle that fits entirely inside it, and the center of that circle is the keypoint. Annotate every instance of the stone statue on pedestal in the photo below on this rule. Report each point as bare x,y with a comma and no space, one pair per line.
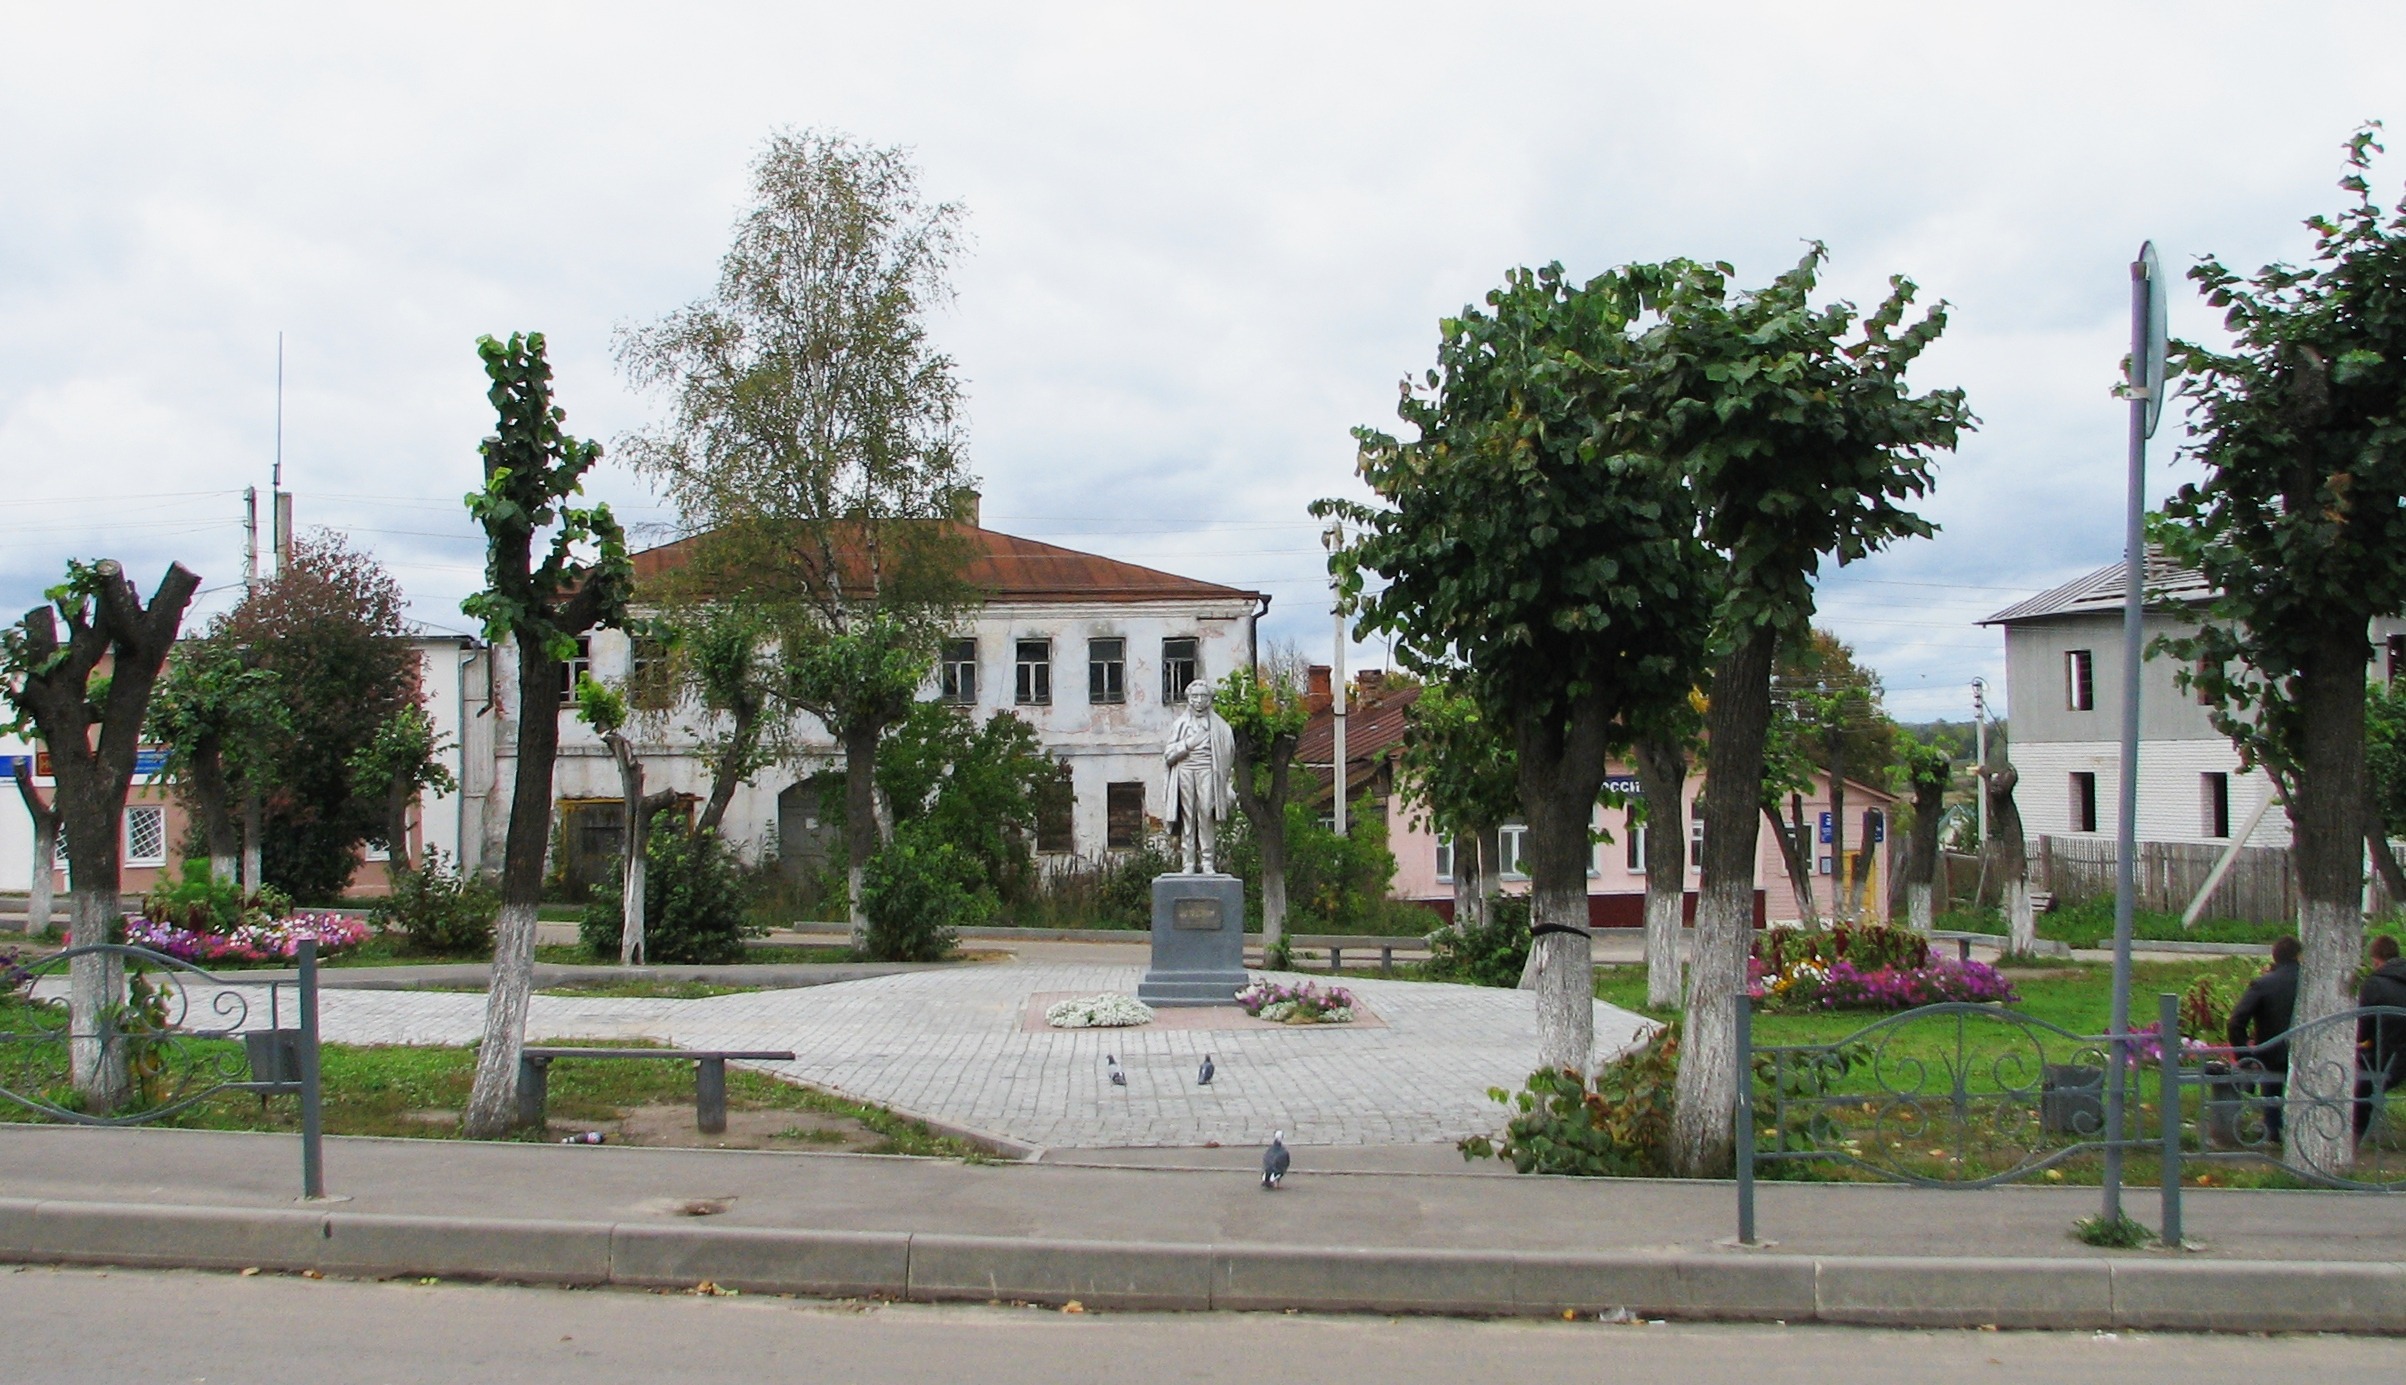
1201,757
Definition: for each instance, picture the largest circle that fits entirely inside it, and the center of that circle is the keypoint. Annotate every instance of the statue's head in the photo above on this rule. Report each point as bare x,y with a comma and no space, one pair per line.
1198,697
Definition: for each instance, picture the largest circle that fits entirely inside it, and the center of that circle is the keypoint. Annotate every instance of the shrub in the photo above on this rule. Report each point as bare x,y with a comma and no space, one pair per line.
696,896
918,892
205,904
1620,1127
437,910
1490,955
1869,947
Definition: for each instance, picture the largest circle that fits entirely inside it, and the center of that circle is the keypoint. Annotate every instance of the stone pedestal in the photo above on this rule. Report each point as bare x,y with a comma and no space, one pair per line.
1198,941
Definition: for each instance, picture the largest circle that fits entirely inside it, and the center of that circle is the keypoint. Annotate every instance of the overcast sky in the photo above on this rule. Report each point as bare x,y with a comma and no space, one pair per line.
1204,243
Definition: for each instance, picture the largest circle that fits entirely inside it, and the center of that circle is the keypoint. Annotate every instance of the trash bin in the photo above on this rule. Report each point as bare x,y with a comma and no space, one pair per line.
275,1054
2072,1101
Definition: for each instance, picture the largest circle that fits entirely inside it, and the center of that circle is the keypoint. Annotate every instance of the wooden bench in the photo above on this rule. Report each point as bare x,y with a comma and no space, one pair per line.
709,1077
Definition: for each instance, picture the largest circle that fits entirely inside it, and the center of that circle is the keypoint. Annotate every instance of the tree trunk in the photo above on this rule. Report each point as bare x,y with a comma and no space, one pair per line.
1921,853
212,802
493,1101
725,769
396,825
39,905
1704,1105
2011,853
1842,874
864,828
2326,821
2385,860
1662,773
1561,771
251,878
1267,813
1470,899
96,984
1799,870
631,854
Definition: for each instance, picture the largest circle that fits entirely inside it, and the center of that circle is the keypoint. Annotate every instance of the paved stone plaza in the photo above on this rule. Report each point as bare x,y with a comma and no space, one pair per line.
952,1044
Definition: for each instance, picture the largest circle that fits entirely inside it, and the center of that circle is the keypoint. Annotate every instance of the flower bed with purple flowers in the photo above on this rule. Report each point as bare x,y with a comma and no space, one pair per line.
1299,1004
1841,985
273,940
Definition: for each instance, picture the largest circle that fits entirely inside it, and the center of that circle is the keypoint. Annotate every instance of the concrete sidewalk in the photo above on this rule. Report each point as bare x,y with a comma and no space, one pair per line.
1385,1229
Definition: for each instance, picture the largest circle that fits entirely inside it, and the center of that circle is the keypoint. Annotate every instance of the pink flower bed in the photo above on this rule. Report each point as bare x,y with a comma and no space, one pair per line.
1841,985
277,940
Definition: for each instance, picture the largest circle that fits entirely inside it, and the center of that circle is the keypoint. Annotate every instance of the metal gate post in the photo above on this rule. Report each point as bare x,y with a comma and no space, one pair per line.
313,1160
1745,1118
2167,1045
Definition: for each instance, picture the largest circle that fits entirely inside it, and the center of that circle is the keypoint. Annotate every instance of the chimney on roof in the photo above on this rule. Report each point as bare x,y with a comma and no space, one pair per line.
965,506
1370,680
1317,696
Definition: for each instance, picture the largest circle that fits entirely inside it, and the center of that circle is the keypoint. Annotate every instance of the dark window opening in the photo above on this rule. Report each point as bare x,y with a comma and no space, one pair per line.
960,671
1181,664
2216,795
651,684
578,666
2080,681
1035,682
1106,670
2084,801
1124,815
1056,806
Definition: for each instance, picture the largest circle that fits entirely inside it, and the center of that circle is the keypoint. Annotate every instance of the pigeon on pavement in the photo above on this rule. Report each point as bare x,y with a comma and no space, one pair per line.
1274,1161
1203,1076
1118,1078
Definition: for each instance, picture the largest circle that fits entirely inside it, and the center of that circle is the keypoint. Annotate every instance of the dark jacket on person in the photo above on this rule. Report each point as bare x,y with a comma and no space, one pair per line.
2385,1034
2263,1013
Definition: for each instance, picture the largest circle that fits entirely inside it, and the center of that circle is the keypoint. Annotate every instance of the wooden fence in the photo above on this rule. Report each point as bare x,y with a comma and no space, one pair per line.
2260,886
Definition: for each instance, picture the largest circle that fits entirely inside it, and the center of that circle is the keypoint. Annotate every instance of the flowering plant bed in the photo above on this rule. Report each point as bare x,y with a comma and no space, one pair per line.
268,940
1098,1012
1302,1004
1808,984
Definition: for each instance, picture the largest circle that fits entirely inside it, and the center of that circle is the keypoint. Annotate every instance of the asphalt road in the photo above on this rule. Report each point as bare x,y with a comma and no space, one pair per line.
161,1327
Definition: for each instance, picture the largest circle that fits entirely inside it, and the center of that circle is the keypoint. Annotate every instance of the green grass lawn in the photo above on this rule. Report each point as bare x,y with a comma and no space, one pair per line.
418,1092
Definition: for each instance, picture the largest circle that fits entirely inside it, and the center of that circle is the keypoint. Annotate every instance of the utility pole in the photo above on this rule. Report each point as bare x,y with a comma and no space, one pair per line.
250,538
1333,538
1980,753
282,499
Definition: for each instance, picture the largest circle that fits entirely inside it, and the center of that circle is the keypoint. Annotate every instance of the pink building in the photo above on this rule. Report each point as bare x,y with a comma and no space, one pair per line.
1616,875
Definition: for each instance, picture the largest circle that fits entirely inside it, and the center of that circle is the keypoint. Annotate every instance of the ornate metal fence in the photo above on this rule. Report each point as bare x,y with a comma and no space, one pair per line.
160,1039
1973,1096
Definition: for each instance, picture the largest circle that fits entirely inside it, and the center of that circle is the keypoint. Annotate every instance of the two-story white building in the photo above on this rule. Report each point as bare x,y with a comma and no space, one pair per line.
2063,679
1094,653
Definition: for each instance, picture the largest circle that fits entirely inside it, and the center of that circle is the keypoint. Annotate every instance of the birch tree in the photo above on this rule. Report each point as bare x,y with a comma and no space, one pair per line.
813,441
1803,443
606,712
533,468
1534,534
2299,525
40,903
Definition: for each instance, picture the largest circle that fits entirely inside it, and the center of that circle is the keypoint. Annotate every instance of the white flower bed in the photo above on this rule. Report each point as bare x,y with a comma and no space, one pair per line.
1290,1012
1098,1012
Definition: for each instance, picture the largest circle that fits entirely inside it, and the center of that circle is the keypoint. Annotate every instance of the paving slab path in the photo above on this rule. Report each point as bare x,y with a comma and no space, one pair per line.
953,1045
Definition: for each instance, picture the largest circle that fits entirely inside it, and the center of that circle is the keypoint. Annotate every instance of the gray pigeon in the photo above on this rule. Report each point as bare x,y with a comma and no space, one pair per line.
1203,1076
1118,1078
1274,1161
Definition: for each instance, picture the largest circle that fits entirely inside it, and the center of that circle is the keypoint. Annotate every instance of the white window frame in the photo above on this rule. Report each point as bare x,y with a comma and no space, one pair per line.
577,667
956,677
1031,679
1696,837
1511,840
1445,858
137,858
2080,680
1635,844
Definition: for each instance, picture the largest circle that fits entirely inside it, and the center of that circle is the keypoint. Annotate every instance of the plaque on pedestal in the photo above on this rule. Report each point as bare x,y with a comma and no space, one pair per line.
1198,941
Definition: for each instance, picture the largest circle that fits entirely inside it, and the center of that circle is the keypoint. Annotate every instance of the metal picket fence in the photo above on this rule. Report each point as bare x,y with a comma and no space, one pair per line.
161,1039
1962,1095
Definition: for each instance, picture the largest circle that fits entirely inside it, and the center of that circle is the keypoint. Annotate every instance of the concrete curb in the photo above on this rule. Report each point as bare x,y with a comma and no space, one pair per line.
1888,1291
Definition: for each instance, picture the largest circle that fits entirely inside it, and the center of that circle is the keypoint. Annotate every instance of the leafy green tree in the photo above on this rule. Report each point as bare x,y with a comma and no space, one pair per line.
975,785
222,719
1534,533
602,708
1457,770
332,628
401,763
727,659
1265,714
92,727
813,443
533,468
1839,700
1803,445
2299,525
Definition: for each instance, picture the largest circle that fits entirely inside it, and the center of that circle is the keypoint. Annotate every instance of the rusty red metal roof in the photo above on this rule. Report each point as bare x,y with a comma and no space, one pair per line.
1009,568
